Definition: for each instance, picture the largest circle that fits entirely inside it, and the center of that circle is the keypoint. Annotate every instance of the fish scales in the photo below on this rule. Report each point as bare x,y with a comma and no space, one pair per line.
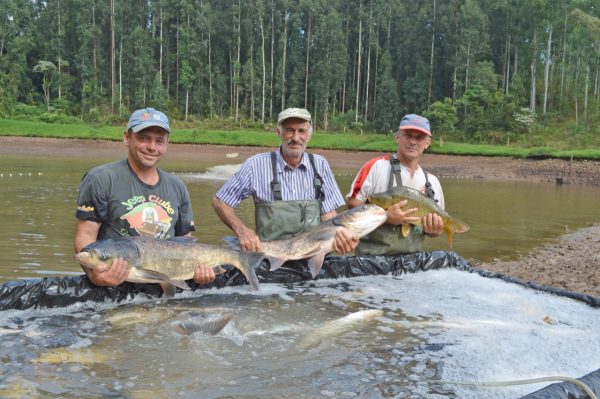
315,243
168,262
179,260
424,206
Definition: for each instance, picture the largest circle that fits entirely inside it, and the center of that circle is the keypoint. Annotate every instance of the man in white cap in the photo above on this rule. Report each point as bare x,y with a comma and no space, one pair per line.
384,172
292,189
133,197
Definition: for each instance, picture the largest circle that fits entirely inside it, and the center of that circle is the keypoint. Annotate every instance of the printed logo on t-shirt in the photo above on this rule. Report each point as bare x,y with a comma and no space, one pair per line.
149,218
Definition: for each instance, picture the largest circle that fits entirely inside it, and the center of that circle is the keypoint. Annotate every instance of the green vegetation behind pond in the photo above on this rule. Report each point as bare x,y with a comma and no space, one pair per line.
334,141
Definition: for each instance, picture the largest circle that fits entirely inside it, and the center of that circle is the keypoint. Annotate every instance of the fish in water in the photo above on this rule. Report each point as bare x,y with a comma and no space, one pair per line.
75,355
313,244
168,262
207,321
337,327
424,206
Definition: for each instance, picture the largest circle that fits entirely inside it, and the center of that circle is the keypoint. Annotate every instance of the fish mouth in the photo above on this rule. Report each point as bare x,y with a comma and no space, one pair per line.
82,257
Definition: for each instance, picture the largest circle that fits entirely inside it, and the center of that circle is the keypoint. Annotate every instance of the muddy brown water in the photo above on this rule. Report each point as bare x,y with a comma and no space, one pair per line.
38,203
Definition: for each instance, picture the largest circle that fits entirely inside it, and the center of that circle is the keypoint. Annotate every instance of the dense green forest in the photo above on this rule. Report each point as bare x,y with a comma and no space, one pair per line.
483,71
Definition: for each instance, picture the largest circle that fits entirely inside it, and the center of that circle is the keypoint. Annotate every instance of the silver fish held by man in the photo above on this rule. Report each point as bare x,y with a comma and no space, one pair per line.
424,206
168,262
315,243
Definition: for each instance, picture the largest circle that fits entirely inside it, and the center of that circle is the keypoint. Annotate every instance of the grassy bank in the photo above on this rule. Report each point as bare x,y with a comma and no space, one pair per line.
335,141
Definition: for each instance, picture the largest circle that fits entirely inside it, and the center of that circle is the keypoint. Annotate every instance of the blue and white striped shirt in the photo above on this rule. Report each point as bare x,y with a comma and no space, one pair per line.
255,175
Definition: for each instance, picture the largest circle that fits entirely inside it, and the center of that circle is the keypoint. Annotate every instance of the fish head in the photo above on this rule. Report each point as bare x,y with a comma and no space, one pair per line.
104,252
362,219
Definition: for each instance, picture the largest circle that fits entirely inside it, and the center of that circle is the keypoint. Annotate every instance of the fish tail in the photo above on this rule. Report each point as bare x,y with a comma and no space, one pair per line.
453,225
212,327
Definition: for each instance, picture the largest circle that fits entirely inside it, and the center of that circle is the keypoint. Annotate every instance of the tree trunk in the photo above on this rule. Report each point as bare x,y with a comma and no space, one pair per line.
467,65
547,68
533,73
431,57
264,68
272,58
59,52
160,45
307,62
252,112
507,75
283,61
564,54
358,66
368,73
585,97
113,77
238,61
210,91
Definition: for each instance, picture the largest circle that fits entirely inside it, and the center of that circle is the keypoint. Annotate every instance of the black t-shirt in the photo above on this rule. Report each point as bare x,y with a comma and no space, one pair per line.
114,196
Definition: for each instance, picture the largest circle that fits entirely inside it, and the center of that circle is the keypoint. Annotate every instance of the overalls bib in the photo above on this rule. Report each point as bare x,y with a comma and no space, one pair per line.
387,239
279,218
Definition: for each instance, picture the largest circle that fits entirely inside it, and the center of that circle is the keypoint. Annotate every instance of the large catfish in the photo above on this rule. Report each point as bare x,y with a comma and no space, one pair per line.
315,243
424,206
168,262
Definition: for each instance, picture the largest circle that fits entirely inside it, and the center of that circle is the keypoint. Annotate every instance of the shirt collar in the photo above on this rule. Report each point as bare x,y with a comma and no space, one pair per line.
284,165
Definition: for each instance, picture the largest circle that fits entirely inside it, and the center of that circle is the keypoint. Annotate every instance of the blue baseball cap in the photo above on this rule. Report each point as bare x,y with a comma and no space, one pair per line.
148,117
415,122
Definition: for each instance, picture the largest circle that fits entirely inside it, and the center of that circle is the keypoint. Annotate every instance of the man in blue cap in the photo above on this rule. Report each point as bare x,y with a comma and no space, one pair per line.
401,169
133,197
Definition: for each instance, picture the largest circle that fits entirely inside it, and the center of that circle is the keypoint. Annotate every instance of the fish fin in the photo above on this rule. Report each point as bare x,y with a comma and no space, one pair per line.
250,261
233,242
168,289
405,230
212,327
315,263
219,269
137,275
275,262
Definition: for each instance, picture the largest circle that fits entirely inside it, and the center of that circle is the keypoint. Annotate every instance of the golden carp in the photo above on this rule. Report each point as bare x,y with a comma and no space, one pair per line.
424,206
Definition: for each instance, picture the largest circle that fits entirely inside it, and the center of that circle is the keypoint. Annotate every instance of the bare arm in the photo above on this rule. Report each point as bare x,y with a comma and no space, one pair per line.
249,241
86,232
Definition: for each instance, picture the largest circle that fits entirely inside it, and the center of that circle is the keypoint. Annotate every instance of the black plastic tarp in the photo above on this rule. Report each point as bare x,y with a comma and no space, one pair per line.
52,292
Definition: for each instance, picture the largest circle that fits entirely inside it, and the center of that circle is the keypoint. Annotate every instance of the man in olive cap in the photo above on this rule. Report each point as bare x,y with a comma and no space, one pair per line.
133,197
292,189
401,169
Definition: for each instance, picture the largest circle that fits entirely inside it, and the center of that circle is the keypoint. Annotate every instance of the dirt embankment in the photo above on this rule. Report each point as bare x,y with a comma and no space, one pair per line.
572,264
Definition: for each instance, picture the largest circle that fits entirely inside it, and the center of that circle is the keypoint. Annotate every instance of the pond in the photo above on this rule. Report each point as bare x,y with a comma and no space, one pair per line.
309,340
38,197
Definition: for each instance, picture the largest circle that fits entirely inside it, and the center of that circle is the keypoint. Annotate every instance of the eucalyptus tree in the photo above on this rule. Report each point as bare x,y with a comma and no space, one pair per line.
46,68
16,42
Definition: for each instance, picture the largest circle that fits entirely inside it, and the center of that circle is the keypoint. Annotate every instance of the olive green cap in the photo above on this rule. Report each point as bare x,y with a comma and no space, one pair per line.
287,113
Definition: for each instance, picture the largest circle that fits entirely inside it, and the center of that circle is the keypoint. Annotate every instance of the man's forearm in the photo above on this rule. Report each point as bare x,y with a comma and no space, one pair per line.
227,215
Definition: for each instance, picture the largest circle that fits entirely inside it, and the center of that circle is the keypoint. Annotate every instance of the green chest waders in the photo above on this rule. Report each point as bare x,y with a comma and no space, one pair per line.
279,218
387,239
